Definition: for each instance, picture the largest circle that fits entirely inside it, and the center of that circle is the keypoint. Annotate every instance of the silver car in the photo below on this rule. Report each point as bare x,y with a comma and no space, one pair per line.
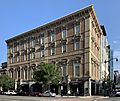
118,93
49,94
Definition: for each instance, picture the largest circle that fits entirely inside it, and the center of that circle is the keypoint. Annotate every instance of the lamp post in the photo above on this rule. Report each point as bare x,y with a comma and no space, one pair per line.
105,81
109,68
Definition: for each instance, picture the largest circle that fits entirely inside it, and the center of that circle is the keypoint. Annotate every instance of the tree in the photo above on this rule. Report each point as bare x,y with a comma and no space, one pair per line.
47,74
6,82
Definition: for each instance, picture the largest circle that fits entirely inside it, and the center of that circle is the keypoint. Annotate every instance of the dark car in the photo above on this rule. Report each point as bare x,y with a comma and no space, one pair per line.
23,93
1,92
36,94
23,90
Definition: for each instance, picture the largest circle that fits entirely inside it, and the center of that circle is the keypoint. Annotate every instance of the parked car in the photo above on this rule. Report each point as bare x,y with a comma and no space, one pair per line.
22,93
36,94
49,94
1,92
112,94
117,90
23,90
118,93
10,92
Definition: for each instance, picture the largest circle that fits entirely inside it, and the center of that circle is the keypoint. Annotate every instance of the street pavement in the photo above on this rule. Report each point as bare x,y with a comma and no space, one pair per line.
111,99
28,98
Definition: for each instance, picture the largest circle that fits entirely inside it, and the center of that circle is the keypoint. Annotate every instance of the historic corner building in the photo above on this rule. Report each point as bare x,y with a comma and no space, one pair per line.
73,42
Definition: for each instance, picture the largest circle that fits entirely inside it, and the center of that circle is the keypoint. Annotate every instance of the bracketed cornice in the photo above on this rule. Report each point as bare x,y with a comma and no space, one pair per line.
79,14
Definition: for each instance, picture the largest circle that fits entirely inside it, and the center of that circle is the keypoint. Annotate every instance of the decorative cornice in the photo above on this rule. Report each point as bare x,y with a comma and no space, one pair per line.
95,19
77,14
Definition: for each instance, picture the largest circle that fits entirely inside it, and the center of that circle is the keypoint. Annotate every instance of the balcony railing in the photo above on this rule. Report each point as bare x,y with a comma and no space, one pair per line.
32,50
76,37
51,44
17,53
63,40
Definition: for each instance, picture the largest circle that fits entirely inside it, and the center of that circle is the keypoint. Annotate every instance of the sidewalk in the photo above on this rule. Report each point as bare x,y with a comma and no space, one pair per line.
83,97
79,98
98,97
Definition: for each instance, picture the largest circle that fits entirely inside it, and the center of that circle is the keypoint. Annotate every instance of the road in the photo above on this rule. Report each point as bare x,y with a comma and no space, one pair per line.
25,98
22,98
111,99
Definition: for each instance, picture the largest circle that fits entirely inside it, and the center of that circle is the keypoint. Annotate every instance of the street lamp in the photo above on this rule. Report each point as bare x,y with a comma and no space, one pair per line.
109,68
109,74
111,60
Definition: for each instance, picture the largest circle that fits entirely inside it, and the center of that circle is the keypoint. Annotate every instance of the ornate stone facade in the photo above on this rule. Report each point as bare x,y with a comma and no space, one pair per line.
72,42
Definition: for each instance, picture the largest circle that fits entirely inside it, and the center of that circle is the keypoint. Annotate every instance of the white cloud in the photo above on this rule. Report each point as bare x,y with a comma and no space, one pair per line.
116,42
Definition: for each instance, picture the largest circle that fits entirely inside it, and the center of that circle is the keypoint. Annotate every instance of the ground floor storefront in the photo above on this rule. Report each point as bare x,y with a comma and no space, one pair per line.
75,87
80,87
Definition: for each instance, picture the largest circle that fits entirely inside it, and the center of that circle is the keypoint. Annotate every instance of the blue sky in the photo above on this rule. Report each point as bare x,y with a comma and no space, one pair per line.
17,16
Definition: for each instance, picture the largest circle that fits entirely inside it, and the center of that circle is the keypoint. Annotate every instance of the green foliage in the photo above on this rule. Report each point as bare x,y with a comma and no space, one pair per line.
6,82
47,74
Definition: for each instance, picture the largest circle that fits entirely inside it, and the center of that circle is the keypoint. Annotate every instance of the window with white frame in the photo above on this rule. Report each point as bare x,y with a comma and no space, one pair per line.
52,36
28,58
52,50
95,69
64,34
18,58
25,44
18,74
76,69
39,39
64,69
32,55
31,73
22,44
11,48
11,59
77,29
76,45
25,74
28,42
92,67
24,57
42,53
64,48
33,41
42,38
17,46
12,74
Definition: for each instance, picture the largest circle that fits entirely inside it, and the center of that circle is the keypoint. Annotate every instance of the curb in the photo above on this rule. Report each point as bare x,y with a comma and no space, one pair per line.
83,97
